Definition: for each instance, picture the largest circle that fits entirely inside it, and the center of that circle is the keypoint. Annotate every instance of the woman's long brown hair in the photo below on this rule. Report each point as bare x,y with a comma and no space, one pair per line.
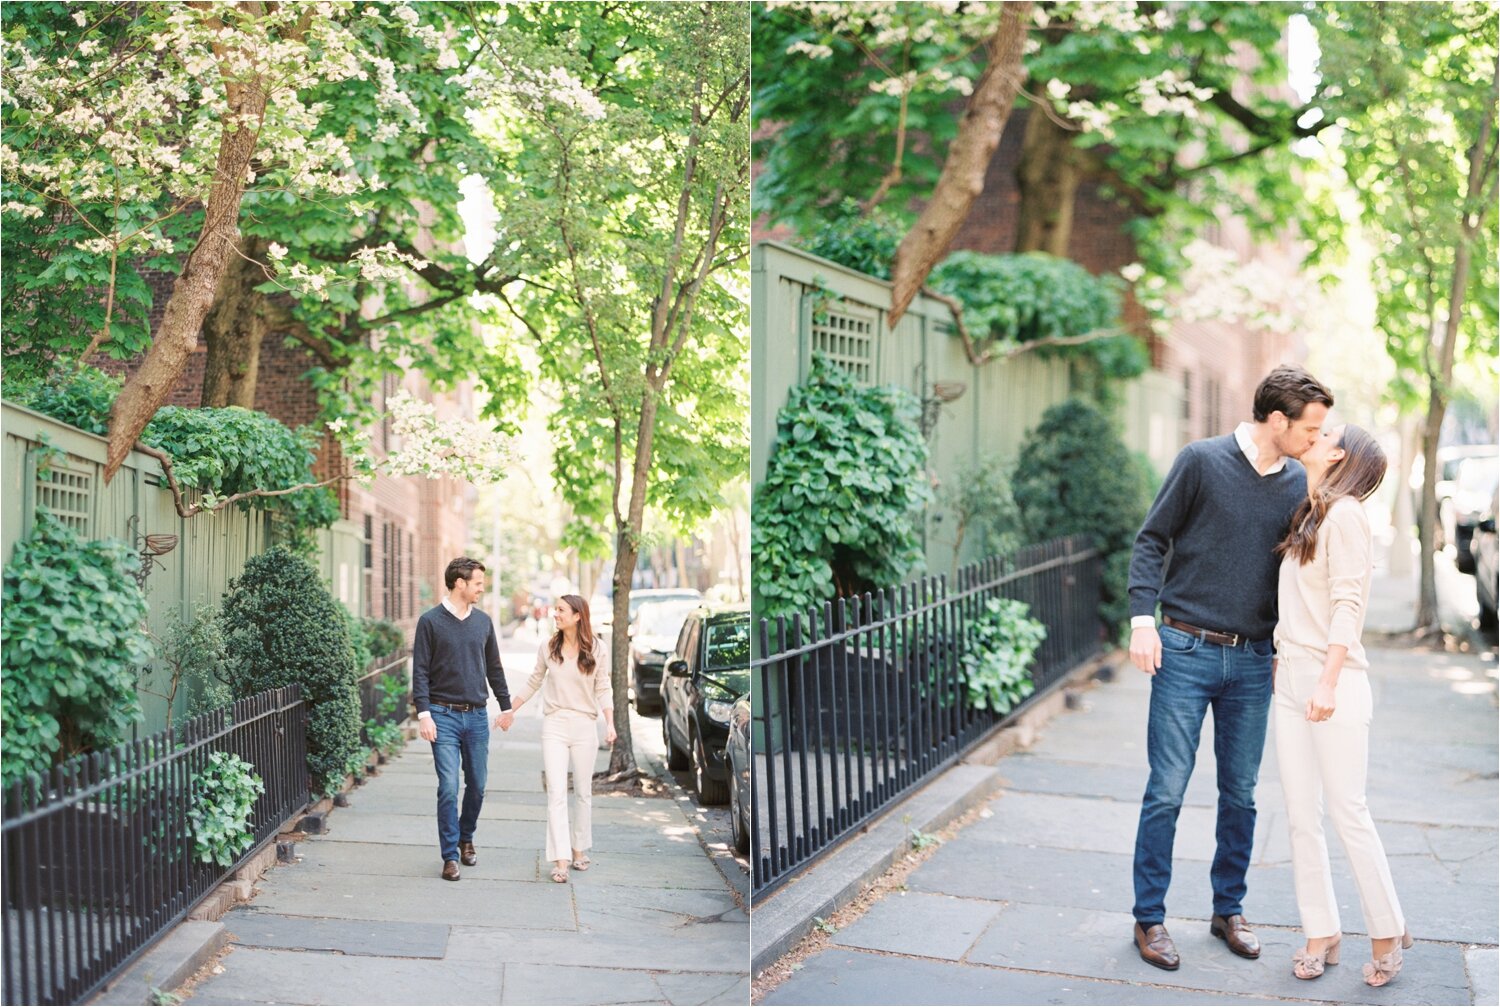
585,635
1356,475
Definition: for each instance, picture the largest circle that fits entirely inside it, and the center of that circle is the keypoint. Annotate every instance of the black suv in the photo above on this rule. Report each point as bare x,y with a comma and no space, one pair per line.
707,671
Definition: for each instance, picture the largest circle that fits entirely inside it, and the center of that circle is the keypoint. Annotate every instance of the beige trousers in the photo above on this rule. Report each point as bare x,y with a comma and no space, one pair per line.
1323,767
568,742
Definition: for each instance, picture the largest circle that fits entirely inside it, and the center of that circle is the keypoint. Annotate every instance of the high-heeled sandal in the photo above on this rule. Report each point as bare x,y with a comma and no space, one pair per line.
1309,965
1385,968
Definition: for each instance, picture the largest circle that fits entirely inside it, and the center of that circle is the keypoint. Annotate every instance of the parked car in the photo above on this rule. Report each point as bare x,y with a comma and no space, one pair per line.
737,759
1487,565
653,634
1475,485
706,672
601,606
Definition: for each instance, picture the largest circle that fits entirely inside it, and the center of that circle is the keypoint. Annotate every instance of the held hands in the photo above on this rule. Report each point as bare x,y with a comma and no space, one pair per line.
1320,706
1145,649
427,728
505,719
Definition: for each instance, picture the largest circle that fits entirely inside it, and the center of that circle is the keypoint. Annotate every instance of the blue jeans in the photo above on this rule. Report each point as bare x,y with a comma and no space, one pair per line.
462,738
1236,683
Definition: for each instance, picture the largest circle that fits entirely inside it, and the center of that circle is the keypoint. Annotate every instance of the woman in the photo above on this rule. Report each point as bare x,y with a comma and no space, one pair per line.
1323,703
572,672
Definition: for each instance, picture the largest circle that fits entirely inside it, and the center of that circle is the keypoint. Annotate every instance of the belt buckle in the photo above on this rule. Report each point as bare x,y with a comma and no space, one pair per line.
1235,637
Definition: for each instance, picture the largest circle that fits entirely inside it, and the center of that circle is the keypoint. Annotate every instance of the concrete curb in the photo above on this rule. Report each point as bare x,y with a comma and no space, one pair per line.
169,964
778,923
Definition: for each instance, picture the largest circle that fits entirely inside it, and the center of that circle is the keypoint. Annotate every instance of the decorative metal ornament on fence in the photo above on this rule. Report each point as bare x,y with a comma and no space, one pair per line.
149,547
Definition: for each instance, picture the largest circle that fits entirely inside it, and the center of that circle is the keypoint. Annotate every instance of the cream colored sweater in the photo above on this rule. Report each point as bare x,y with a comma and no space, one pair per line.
564,687
1323,603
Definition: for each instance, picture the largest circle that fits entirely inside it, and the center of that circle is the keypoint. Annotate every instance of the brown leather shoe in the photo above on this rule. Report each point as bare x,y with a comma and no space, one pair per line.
450,870
1156,947
1235,932
467,855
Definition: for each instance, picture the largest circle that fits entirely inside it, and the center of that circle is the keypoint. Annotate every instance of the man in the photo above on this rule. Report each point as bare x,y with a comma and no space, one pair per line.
454,652
1220,513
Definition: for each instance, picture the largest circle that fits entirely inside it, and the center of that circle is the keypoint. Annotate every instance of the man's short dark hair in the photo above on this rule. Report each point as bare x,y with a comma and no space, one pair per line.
460,569
1288,390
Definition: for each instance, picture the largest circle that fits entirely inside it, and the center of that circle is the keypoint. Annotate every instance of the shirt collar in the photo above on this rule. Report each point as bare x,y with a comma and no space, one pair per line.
450,607
1244,435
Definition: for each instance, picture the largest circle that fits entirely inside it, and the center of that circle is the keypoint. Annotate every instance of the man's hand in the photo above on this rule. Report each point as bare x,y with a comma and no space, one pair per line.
427,728
505,719
1145,649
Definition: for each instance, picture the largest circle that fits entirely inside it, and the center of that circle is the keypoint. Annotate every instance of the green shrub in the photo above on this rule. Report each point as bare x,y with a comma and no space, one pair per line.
863,242
1021,298
359,639
1076,477
980,502
1002,644
72,638
840,508
282,627
192,653
80,397
224,795
385,637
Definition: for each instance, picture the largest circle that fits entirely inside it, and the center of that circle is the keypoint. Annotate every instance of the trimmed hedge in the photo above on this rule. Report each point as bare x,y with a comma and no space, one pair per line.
282,627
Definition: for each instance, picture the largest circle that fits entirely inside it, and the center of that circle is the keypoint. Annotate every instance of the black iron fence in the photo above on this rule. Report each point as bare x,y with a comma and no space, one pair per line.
99,854
373,705
867,697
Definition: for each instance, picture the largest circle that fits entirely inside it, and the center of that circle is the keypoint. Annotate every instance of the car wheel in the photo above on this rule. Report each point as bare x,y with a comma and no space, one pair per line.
709,790
677,759
644,704
737,818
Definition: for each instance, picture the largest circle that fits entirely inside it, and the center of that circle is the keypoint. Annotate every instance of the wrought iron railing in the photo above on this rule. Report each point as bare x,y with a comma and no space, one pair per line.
864,699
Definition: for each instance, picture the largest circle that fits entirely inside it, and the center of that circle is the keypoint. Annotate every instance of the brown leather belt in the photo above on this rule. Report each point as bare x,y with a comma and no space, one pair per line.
460,707
1206,635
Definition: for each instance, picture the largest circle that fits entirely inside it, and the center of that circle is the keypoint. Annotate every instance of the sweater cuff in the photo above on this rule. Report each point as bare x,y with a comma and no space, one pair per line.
1143,622
424,714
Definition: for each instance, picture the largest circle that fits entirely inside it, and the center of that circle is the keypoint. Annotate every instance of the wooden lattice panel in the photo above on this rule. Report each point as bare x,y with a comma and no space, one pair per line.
846,336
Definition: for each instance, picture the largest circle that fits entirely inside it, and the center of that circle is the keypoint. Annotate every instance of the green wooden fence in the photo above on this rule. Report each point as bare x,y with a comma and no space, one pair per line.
211,548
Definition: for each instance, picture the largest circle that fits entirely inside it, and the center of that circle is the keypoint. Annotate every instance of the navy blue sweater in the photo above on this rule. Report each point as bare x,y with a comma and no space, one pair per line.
452,657
1220,521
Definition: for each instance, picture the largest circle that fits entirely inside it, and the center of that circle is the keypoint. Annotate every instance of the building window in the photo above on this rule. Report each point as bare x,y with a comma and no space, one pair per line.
369,541
411,579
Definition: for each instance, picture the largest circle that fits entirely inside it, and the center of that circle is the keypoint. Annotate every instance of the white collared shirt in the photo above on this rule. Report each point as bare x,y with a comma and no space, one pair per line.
449,606
1244,436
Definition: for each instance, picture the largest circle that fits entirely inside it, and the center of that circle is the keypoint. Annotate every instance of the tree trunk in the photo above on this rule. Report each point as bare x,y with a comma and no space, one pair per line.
1047,176
234,330
193,290
1428,615
622,756
962,179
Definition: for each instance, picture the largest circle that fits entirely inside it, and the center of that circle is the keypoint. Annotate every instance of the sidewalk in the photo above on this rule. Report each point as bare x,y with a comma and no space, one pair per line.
1031,903
365,919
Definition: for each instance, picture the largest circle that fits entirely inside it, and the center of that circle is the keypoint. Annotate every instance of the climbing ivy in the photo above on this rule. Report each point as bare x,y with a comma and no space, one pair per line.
839,510
224,794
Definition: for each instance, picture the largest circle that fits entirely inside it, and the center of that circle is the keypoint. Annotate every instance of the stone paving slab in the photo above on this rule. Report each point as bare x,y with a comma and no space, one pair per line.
729,990
647,870
1484,974
570,984
405,860
252,927
657,907
420,900
499,806
861,977
311,977
715,948
930,926
1099,945
421,830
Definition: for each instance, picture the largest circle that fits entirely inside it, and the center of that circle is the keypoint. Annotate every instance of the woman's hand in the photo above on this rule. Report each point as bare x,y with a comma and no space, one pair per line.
1320,706
609,735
